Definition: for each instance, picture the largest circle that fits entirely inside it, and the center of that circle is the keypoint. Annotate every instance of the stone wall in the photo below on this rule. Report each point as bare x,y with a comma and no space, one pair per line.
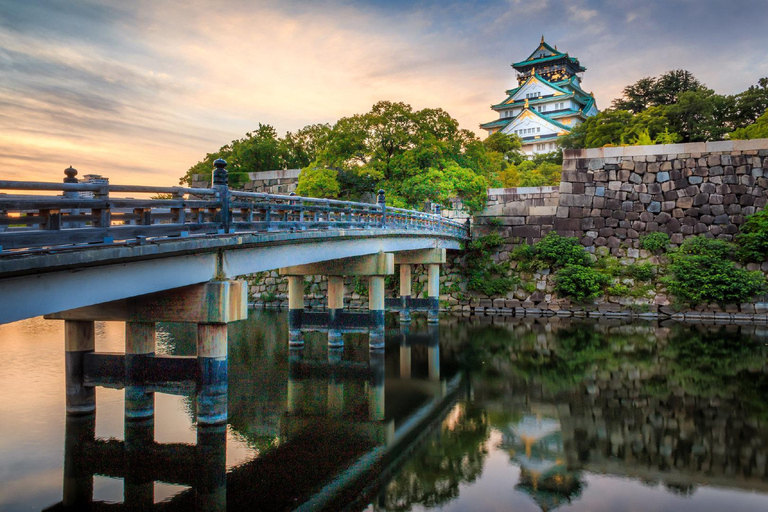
283,181
525,213
612,196
608,198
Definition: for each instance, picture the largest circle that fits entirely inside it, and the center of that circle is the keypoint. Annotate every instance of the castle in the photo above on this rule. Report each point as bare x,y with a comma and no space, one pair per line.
547,102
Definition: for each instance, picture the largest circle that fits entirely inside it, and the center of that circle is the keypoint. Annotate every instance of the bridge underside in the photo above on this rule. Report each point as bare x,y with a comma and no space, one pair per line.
49,282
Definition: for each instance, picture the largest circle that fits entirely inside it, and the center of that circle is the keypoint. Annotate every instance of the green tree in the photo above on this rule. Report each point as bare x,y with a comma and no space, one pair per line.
299,149
652,92
757,130
317,181
751,104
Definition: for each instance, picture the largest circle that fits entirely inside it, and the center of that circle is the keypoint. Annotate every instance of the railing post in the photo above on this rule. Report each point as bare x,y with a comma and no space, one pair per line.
221,186
439,214
102,217
468,225
382,200
70,173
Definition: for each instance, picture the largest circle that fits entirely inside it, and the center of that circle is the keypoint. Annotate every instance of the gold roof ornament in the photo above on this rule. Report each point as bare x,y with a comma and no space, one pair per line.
526,102
542,38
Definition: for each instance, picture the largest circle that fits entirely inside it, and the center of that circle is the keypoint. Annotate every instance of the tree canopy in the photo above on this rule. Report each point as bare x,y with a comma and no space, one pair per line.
674,107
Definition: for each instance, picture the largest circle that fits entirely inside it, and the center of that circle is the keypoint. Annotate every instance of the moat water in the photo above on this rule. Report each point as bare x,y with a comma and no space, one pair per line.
478,414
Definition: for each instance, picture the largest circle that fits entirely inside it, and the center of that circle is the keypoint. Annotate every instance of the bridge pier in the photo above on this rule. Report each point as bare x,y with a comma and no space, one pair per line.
405,292
295,310
335,308
432,258
212,363
79,340
373,266
376,311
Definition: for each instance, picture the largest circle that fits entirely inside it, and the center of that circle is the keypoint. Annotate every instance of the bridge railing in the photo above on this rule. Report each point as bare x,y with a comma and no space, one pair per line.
99,213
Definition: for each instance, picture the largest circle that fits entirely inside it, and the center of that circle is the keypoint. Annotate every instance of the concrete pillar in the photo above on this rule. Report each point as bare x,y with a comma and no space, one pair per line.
212,363
78,480
376,311
211,488
405,292
335,306
295,310
433,353
79,340
139,347
433,292
405,353
376,387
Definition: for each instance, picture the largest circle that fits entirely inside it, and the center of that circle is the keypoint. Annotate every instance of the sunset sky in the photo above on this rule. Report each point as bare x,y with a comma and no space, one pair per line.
140,90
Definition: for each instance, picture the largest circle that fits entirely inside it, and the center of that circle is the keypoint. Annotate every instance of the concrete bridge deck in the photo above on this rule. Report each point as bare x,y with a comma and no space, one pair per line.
64,252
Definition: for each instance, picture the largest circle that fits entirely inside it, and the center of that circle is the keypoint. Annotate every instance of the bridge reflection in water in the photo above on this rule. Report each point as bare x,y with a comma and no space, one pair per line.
349,413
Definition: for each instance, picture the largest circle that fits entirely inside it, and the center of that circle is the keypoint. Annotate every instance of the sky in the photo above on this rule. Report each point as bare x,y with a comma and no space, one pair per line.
140,91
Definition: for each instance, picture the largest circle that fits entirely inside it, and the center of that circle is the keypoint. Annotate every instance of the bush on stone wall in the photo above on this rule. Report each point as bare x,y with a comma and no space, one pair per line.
481,273
580,283
702,272
654,242
752,240
561,251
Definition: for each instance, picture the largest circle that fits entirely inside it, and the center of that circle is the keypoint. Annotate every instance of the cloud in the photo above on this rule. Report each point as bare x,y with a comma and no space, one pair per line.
156,85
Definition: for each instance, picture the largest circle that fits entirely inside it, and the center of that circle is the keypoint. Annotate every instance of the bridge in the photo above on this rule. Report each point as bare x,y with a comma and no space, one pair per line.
92,254
92,244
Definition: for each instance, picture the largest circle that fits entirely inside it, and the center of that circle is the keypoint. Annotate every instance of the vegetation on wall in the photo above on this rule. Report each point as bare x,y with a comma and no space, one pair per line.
702,271
752,240
481,273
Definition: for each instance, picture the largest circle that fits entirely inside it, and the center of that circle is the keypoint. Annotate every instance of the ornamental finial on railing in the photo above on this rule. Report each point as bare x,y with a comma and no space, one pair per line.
382,197
220,184
70,172
220,174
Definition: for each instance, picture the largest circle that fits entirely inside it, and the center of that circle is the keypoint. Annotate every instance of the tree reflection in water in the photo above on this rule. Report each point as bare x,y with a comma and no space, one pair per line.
452,456
672,404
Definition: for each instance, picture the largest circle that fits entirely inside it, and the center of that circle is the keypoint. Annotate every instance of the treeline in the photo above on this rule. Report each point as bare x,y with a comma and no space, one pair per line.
674,107
415,155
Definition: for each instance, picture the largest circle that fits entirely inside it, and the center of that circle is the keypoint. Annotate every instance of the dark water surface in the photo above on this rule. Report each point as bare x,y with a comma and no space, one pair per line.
522,414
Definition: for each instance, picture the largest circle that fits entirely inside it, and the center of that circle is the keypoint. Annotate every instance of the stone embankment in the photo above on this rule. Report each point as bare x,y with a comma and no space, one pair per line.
608,198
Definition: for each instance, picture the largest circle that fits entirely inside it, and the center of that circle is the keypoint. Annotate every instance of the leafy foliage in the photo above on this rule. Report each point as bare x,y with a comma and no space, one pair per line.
580,283
758,130
481,273
752,240
318,182
675,107
703,272
654,242
561,251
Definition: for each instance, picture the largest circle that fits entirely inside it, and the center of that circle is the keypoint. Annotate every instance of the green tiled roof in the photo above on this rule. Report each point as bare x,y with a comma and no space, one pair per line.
498,122
545,45
527,63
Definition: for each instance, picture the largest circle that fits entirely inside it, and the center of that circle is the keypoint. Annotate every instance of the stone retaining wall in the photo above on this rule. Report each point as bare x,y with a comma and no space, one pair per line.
283,181
610,197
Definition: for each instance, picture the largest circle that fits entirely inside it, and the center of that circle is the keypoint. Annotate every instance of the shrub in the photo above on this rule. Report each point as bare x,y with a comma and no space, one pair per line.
752,240
702,272
641,272
482,274
654,241
580,283
561,251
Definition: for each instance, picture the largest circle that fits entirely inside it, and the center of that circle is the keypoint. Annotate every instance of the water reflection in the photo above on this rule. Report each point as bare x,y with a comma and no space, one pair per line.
555,414
566,402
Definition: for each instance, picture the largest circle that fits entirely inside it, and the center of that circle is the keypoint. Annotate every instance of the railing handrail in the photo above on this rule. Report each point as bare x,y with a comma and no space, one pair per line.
33,221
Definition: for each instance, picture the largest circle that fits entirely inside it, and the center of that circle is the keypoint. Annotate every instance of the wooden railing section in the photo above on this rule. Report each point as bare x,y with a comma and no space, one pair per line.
86,214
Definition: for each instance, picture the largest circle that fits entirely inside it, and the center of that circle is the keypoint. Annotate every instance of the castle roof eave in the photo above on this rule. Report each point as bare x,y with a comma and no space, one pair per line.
527,63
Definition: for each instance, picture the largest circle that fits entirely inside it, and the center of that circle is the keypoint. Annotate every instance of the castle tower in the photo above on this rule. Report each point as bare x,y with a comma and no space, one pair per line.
547,102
